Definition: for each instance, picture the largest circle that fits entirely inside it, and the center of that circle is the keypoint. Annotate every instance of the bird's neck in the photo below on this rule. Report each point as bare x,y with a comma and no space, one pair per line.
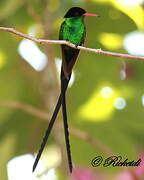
75,21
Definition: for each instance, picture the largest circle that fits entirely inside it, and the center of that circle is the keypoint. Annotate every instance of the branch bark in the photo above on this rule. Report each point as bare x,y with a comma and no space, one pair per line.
96,51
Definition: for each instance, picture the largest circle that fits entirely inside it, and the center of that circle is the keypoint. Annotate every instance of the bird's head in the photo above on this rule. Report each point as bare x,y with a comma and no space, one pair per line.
77,12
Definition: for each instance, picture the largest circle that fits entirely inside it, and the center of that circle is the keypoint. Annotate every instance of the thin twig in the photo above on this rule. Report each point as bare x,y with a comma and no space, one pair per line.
26,108
97,51
38,113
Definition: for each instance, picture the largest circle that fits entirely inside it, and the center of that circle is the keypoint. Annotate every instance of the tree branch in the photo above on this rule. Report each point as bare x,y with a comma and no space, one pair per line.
38,113
26,108
96,51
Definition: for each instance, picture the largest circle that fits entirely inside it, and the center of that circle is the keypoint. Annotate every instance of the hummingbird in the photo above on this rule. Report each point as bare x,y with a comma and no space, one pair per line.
73,30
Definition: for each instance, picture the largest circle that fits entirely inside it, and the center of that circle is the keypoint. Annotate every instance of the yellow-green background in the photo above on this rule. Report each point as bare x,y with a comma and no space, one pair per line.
121,131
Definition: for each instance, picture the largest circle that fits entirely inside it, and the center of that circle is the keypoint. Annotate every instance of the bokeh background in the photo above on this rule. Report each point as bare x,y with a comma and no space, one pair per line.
105,100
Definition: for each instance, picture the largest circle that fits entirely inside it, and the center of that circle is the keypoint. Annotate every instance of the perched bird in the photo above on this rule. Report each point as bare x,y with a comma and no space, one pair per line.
72,30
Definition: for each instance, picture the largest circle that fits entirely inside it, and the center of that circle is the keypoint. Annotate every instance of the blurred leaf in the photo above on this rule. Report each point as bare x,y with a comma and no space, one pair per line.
100,106
135,12
111,41
2,59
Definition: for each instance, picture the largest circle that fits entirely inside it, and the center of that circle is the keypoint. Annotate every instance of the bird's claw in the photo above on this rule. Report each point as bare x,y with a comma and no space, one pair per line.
76,45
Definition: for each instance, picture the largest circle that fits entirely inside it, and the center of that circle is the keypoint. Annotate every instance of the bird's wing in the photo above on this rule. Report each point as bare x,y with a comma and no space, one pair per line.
69,56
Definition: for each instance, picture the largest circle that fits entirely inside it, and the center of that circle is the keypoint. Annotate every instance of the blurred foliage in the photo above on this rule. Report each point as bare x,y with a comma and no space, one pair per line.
121,130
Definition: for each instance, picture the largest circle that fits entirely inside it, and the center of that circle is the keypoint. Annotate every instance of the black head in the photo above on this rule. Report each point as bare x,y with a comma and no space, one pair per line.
74,12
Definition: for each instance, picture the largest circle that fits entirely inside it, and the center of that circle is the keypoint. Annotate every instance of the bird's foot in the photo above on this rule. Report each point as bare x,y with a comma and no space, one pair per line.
76,45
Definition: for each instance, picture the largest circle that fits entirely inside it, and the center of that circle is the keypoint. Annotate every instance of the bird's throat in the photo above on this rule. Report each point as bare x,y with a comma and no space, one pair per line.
75,21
